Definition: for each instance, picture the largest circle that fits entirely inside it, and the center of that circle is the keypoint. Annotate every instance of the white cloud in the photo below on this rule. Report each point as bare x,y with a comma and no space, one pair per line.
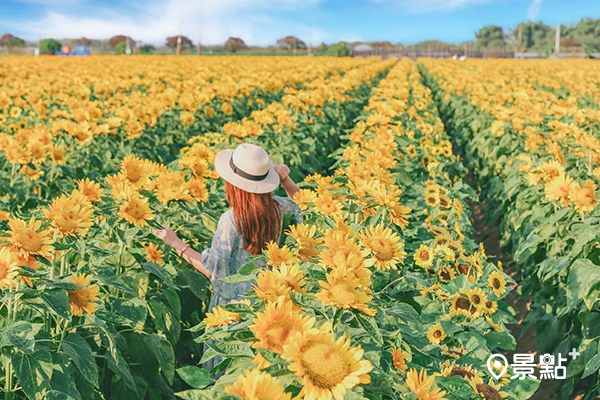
427,6
534,10
209,21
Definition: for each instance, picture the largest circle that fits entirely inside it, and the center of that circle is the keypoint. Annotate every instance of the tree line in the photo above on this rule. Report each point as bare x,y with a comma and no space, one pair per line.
527,36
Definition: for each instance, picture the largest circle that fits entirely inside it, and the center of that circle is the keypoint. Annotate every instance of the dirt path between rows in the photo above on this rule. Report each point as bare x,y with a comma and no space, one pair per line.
489,235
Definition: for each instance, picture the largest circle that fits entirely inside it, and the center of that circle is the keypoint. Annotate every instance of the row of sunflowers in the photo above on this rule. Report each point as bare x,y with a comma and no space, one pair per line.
530,133
91,306
381,292
57,131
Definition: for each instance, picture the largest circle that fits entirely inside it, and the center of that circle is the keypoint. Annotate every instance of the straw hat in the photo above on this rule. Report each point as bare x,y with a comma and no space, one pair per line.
248,167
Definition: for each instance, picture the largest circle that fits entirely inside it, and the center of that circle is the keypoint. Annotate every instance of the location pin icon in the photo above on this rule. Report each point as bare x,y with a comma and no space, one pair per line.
494,363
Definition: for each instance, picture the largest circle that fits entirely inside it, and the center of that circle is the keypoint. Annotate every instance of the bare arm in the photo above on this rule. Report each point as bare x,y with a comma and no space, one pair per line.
287,183
190,255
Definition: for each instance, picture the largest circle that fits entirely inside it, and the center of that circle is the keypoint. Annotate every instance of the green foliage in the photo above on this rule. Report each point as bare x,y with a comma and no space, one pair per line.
490,36
339,50
49,46
121,48
147,49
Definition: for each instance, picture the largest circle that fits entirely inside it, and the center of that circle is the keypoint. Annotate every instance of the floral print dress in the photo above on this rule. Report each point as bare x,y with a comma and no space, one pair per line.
228,254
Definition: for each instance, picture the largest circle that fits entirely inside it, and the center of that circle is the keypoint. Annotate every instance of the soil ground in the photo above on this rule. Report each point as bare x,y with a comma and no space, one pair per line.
489,235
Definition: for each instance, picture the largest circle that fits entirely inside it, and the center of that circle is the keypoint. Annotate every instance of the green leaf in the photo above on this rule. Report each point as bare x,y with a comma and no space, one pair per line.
80,353
58,301
455,387
194,281
238,278
133,309
56,395
592,366
120,367
369,324
583,275
159,272
33,372
20,335
163,351
196,377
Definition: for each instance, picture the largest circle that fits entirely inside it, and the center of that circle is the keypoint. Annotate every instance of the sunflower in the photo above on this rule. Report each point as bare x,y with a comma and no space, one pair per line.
399,359
220,317
344,290
436,333
9,268
71,215
584,196
4,215
274,327
303,197
197,188
424,256
327,368
399,215
446,274
90,189
187,118
154,254
449,368
135,171
478,298
384,246
277,256
488,391
276,282
326,204
422,385
83,299
171,186
340,246
258,385
25,238
559,189
307,242
461,305
497,283
490,307
136,211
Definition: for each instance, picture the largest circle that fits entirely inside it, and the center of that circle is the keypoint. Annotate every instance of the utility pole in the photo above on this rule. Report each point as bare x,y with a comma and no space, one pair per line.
557,42
520,35
178,51
128,46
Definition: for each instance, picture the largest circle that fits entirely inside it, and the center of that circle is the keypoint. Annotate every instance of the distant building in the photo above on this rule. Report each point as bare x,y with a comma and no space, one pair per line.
361,48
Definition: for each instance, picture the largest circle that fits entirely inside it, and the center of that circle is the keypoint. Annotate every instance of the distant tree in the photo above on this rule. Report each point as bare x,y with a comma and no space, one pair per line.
586,33
49,46
536,36
322,48
185,42
291,43
115,40
490,36
84,41
121,48
340,49
233,44
382,45
11,41
147,49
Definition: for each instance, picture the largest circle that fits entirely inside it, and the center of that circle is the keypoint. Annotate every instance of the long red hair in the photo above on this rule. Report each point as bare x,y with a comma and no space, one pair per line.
257,217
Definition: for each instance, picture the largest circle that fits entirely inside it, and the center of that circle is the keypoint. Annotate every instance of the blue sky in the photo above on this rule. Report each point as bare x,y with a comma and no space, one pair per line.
262,22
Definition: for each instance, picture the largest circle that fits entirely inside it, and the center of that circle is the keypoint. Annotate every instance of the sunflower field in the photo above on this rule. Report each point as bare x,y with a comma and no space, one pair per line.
381,292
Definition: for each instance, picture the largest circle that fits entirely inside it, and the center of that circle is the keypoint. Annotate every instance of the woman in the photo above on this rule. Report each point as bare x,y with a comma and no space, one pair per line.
254,219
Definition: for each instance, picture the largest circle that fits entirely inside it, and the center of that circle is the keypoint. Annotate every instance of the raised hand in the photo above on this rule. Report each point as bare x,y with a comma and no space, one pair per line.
283,171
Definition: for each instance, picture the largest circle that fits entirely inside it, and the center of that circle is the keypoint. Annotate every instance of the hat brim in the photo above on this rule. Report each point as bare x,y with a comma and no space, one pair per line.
267,185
